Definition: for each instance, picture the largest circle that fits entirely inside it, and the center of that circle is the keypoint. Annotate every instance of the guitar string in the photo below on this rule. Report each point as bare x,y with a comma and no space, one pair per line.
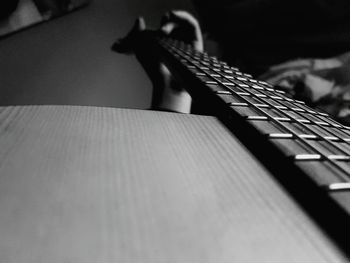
265,113
320,153
329,123
291,117
284,113
295,120
301,106
305,112
259,98
305,115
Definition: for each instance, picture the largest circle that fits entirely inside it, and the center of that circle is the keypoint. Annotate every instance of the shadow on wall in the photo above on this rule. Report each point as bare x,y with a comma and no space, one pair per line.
18,14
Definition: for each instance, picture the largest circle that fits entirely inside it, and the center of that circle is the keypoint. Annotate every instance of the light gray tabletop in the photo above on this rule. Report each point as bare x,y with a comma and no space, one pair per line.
103,185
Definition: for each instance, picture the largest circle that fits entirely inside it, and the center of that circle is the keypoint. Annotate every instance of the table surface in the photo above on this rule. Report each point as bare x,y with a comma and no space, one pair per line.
89,184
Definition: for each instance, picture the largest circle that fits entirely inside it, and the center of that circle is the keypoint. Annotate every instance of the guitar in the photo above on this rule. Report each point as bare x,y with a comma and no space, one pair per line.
305,149
93,184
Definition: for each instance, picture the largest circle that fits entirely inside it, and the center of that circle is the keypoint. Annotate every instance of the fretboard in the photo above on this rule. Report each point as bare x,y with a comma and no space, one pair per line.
311,139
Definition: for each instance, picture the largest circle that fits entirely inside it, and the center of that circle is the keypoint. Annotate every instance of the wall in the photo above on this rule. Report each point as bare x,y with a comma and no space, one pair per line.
68,60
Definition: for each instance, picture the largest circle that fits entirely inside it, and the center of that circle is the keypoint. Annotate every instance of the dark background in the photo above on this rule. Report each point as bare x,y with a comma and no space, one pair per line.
68,61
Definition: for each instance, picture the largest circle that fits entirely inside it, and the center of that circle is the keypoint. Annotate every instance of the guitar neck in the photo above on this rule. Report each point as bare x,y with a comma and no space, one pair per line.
306,150
309,139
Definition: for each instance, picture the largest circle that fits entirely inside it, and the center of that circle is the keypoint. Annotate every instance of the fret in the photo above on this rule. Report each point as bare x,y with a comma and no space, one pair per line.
280,136
321,123
265,118
211,82
339,157
238,104
338,187
256,87
247,75
304,121
283,119
265,83
223,92
229,84
332,138
309,136
259,95
252,80
279,91
261,105
307,157
242,79
259,102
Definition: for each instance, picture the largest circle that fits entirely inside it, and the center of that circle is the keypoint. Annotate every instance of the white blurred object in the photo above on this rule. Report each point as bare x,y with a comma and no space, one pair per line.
25,14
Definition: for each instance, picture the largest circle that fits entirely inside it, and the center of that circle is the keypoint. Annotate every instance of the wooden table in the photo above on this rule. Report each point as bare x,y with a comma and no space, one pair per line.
103,185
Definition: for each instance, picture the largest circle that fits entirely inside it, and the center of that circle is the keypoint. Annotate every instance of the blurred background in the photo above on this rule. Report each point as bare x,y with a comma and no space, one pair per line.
68,61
